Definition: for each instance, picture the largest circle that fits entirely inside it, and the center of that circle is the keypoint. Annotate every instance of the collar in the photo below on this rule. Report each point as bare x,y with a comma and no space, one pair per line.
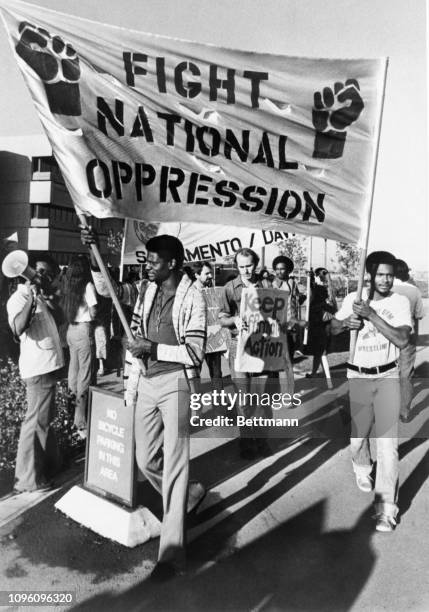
237,282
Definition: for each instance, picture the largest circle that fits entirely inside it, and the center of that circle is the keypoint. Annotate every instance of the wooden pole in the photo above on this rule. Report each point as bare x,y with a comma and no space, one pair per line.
325,365
325,362
307,309
111,289
363,251
121,265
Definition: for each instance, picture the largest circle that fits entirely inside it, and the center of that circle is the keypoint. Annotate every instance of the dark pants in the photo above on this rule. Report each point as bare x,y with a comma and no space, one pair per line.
246,383
213,361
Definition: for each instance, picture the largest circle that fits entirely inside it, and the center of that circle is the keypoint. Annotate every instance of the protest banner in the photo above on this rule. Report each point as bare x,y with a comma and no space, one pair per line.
161,129
202,242
262,342
217,336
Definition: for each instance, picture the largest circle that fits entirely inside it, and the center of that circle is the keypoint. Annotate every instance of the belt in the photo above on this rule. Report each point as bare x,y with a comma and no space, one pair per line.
81,322
374,370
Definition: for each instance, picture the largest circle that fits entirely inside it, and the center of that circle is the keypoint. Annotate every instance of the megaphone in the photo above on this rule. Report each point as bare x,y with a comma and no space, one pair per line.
16,264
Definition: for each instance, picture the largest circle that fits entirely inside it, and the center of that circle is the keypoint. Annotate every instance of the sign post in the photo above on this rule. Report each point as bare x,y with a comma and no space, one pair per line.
307,307
363,252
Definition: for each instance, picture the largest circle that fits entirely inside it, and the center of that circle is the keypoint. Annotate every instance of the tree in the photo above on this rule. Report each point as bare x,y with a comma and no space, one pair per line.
348,256
114,240
294,248
143,230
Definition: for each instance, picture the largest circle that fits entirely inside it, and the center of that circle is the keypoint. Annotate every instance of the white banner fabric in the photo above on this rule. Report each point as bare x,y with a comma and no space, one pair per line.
202,242
165,130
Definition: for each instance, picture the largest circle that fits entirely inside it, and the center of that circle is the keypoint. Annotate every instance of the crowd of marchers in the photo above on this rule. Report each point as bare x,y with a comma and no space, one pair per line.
56,320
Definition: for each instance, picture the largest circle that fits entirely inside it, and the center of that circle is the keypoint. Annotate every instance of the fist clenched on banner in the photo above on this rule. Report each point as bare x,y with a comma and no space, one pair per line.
56,64
333,112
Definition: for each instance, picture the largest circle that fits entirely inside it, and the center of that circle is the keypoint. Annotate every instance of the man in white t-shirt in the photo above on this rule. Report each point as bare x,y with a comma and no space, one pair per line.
383,321
407,357
32,312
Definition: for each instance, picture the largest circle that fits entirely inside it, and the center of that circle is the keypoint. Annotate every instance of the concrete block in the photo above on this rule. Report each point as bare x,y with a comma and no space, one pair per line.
108,519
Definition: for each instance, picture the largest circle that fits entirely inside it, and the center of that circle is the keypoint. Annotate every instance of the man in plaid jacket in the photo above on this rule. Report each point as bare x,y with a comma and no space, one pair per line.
170,327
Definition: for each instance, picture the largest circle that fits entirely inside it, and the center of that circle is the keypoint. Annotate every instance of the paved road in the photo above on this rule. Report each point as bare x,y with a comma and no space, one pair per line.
290,532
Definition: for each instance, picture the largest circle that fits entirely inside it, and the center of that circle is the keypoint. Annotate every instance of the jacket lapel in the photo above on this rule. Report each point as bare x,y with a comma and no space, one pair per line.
182,290
147,305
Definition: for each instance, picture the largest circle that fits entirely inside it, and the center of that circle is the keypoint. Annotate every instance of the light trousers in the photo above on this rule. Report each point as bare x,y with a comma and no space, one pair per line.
407,358
377,401
38,456
80,338
162,455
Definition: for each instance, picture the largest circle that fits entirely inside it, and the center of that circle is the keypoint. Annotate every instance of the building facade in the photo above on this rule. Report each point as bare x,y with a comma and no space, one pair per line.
37,214
35,205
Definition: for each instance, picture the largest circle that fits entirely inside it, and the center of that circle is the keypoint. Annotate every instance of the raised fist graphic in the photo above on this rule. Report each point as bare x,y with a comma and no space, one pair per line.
56,64
333,112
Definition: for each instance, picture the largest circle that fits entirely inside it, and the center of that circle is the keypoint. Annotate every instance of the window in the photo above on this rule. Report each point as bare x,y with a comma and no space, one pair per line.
44,164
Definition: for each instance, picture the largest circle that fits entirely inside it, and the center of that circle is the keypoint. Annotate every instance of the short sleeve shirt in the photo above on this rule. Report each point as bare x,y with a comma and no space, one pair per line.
89,300
40,350
413,294
231,299
372,348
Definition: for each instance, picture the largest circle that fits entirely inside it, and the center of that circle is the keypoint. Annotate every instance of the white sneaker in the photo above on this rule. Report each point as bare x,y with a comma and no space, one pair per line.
364,483
385,523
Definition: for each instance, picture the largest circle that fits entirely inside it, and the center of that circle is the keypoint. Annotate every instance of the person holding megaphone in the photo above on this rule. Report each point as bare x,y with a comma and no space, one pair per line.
33,313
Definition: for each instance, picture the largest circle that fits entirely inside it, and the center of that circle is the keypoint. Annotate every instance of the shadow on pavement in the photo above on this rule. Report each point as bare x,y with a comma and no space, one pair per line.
422,370
293,567
50,539
413,484
423,340
296,566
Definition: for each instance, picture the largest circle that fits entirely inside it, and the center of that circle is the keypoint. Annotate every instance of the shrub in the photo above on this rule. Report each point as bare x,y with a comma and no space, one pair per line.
13,406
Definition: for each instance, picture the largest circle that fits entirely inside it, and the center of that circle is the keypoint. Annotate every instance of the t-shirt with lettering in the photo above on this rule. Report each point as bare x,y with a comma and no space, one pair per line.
372,347
414,296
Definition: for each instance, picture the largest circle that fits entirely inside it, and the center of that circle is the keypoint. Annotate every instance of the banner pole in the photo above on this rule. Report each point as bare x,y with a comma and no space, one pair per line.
110,288
307,307
121,265
364,250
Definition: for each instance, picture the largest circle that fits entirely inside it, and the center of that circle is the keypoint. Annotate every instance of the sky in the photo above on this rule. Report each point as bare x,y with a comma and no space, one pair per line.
311,28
